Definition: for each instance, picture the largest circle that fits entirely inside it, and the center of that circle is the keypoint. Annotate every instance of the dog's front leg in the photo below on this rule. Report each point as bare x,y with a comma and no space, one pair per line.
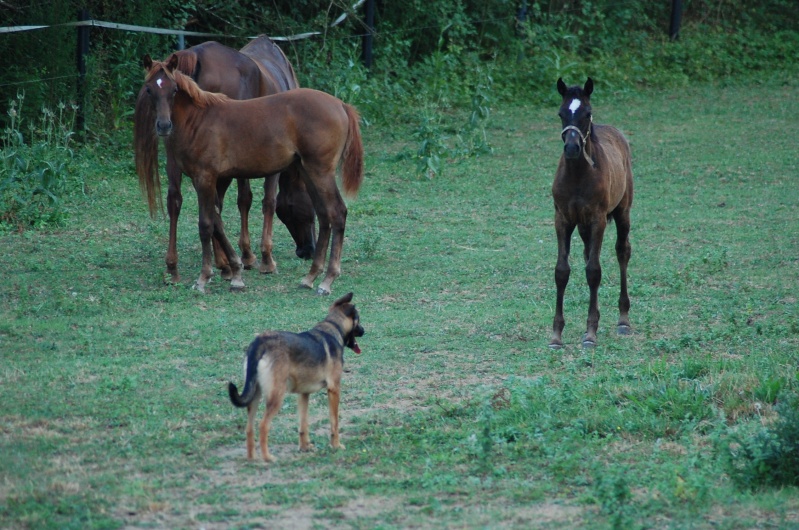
302,409
333,395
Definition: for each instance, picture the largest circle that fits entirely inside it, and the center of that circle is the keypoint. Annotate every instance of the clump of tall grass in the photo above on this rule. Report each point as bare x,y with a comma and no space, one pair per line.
767,456
35,166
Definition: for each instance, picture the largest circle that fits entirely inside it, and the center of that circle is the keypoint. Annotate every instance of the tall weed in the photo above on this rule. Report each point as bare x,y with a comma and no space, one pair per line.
34,174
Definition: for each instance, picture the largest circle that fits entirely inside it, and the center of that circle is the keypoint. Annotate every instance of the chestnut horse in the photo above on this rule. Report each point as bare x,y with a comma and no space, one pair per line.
259,69
593,183
213,137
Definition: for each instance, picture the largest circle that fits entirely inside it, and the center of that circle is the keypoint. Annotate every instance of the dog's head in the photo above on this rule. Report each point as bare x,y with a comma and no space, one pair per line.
351,326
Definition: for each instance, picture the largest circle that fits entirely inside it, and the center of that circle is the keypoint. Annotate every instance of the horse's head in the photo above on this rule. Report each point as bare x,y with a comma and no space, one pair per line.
160,87
575,116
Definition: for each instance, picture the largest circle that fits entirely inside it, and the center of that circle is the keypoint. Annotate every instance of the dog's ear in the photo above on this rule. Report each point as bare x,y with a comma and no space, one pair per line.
346,299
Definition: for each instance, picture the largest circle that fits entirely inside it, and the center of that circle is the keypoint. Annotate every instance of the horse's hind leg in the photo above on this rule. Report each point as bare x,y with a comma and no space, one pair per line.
563,230
244,202
337,217
268,264
623,252
332,214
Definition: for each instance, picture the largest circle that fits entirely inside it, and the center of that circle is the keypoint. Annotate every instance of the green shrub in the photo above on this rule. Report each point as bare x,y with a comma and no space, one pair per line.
766,456
34,174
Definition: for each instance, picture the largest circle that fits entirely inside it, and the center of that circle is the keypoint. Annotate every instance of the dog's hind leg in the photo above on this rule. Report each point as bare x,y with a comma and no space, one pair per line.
333,396
273,403
302,409
252,408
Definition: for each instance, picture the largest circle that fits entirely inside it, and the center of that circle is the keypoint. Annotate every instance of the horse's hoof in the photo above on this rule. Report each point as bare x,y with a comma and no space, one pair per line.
236,286
588,343
267,269
198,287
555,345
321,291
226,274
248,262
624,329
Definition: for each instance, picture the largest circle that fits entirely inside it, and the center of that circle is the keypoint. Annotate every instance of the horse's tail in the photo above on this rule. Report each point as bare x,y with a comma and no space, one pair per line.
250,379
145,147
352,165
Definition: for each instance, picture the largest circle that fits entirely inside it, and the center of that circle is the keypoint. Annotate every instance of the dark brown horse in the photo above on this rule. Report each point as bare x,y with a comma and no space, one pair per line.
213,137
593,183
259,69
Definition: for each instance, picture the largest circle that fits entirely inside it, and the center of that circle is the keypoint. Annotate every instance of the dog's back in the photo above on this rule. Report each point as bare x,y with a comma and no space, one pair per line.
298,360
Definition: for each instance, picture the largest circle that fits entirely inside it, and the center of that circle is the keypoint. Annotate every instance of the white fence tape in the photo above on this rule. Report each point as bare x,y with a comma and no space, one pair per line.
161,31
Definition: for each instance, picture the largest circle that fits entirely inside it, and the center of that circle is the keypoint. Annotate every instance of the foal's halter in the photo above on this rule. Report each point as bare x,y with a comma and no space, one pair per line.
583,138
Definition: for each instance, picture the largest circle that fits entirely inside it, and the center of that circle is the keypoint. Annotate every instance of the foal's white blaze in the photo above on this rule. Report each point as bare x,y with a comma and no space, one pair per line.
574,105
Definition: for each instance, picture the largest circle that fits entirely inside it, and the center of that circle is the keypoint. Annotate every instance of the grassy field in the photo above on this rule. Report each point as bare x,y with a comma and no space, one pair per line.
113,404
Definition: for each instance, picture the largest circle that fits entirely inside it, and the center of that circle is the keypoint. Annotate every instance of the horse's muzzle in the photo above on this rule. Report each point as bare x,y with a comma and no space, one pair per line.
572,149
163,128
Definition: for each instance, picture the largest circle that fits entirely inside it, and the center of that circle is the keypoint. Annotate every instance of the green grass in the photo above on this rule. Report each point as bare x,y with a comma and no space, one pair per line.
114,408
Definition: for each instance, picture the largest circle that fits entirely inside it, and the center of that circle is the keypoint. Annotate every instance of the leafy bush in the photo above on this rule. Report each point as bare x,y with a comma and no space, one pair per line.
34,176
767,456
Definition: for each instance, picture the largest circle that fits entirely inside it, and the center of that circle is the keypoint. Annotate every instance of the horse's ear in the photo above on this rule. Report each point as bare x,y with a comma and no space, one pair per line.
561,86
172,63
147,62
589,87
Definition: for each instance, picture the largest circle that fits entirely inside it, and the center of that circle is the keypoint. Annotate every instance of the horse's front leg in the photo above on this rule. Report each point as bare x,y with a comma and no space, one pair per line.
268,265
592,237
220,258
563,231
623,253
206,196
174,202
244,202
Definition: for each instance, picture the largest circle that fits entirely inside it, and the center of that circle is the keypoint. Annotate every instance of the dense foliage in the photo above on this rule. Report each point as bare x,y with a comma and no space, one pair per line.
433,50
430,57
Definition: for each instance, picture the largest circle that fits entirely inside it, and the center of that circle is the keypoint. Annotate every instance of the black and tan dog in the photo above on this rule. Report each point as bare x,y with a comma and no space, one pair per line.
280,361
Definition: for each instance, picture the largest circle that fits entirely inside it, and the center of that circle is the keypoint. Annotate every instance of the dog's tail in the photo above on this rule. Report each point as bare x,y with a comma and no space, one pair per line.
250,381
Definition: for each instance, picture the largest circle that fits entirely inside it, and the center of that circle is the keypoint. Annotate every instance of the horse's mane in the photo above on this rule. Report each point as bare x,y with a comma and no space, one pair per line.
187,61
199,97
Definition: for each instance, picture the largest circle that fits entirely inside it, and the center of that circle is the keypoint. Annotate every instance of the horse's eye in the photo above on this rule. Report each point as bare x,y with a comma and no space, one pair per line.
147,89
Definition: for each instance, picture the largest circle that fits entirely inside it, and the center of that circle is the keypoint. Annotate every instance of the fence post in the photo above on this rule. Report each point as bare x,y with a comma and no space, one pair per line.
368,38
82,52
676,16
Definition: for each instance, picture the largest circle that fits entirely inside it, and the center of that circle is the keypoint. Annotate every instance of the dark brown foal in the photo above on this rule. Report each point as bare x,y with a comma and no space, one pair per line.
593,183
